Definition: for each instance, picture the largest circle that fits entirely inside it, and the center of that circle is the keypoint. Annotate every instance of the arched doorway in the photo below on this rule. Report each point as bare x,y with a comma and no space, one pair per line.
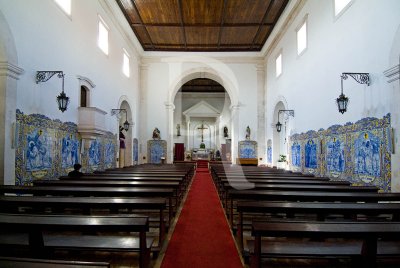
279,138
126,155
202,111
229,83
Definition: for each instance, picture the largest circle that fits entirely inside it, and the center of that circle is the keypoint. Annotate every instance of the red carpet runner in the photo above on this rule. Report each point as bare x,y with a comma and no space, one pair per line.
202,237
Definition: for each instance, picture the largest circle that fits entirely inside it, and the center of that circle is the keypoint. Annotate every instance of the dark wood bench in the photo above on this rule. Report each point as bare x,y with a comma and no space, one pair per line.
114,183
18,262
366,232
86,205
83,191
132,177
33,231
321,209
305,196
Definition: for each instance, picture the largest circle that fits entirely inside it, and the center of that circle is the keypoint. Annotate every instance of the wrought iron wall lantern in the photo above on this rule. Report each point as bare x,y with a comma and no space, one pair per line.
118,111
62,99
343,101
288,113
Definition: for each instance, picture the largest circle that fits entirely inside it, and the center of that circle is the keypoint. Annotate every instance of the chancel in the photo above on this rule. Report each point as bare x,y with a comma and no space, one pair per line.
182,114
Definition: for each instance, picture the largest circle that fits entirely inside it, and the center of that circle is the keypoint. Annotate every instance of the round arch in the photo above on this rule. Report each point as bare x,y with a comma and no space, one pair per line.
127,157
230,84
278,147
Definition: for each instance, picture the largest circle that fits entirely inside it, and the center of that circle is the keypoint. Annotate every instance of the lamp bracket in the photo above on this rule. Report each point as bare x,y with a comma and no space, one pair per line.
118,111
44,76
287,112
361,78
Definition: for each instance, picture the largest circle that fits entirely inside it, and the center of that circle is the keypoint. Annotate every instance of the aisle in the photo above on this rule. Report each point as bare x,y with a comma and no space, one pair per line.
202,237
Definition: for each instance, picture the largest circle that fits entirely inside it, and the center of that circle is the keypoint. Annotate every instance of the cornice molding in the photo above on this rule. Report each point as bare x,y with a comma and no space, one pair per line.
183,58
86,80
10,70
393,73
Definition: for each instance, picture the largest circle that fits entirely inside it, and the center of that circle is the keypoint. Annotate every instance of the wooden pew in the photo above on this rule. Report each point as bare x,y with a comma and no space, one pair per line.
320,209
241,183
18,262
14,226
40,204
114,183
132,177
368,232
304,196
92,191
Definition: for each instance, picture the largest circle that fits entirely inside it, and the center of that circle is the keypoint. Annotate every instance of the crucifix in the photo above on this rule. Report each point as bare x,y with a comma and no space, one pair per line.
202,128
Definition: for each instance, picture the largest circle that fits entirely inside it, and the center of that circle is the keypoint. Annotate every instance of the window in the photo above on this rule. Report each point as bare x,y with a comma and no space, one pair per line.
103,36
340,5
65,5
83,97
125,64
278,65
302,38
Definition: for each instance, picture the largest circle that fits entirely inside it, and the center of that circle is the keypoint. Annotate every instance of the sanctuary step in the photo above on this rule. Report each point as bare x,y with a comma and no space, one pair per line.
202,163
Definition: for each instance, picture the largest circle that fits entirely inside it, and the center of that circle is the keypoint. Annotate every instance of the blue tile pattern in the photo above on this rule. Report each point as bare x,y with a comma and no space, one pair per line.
155,150
269,155
310,152
69,151
247,149
296,154
359,152
335,158
48,149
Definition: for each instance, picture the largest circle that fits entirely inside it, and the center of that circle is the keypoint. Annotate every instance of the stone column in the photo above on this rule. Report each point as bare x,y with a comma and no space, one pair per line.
143,127
393,78
170,107
9,74
261,114
234,132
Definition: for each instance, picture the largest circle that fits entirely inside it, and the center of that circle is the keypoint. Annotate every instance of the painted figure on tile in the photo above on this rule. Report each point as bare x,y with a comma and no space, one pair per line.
367,155
269,154
156,151
38,151
296,156
226,135
94,153
156,134
310,155
109,153
248,133
69,151
335,160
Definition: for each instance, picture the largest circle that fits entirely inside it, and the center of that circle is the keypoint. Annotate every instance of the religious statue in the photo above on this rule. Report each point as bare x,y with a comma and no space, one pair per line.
226,132
156,134
248,133
178,130
121,138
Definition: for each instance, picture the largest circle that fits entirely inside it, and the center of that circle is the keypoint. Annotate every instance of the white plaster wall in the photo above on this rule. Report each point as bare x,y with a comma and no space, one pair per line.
358,41
47,39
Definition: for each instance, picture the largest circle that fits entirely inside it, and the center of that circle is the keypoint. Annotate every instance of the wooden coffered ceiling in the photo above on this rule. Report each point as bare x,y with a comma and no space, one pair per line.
202,25
202,85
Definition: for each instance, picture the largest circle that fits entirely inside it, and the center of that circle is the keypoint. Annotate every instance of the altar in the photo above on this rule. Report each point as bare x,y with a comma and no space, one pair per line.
198,154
